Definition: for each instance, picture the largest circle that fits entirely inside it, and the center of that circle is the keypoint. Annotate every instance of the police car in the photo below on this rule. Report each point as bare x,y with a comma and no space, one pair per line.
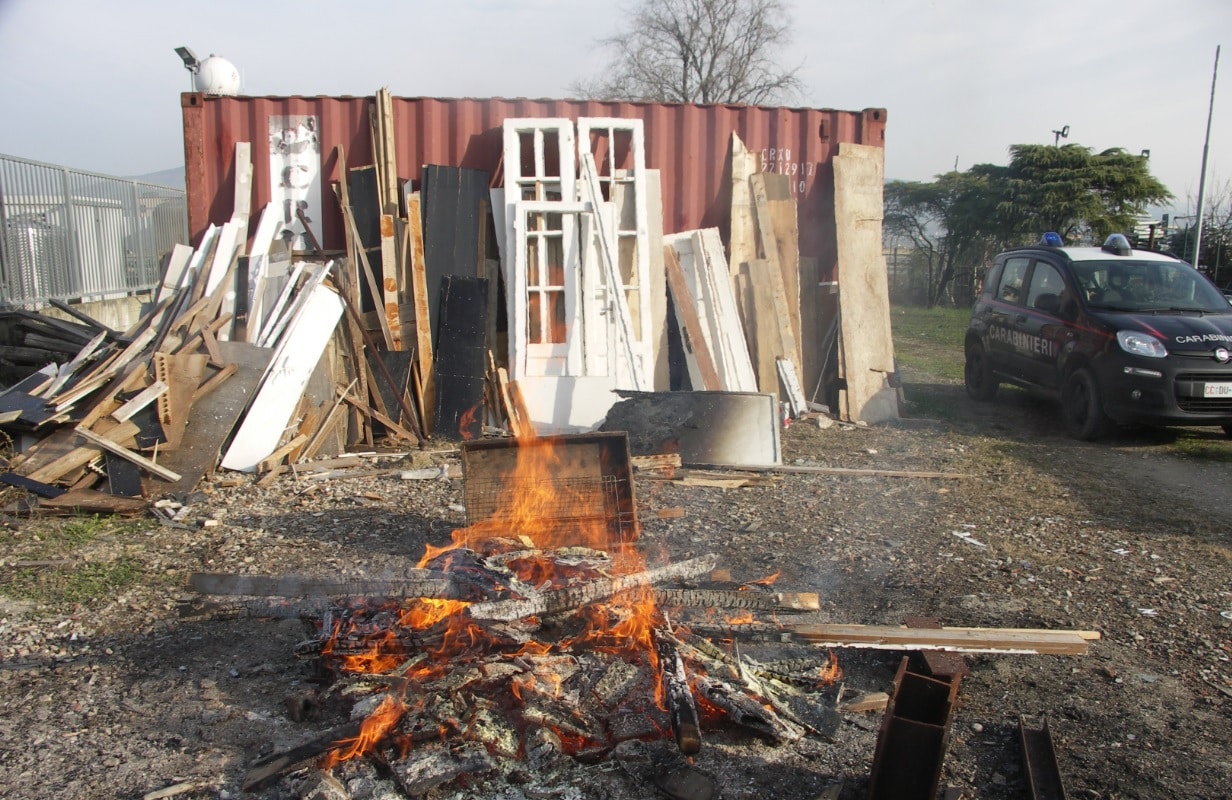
1118,335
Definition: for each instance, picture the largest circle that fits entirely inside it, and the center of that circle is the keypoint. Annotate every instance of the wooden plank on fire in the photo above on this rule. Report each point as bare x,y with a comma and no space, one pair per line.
968,640
562,600
735,599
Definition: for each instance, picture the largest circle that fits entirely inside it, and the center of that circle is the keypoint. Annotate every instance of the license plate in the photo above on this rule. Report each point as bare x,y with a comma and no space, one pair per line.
1217,390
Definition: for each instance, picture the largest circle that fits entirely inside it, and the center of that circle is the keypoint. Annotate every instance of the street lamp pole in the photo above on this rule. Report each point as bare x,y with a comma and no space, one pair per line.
1057,136
1206,147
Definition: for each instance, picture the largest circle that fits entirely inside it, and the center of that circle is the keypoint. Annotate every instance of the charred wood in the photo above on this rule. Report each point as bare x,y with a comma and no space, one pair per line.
265,770
681,707
425,769
745,711
746,600
559,601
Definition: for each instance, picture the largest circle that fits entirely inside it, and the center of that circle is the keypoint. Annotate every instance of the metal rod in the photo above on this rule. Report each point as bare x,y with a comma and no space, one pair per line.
1206,148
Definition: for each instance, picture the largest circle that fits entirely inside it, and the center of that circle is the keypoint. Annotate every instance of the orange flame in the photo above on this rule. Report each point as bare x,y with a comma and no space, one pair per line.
469,420
766,581
374,728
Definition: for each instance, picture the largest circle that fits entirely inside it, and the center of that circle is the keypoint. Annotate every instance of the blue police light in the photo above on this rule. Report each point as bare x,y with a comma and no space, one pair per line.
1052,239
1118,245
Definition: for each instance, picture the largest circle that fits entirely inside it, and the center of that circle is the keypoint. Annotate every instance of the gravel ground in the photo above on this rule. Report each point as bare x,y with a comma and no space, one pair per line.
120,698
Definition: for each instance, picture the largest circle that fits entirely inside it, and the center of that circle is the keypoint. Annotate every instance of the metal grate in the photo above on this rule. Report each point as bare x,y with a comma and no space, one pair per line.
558,490
602,497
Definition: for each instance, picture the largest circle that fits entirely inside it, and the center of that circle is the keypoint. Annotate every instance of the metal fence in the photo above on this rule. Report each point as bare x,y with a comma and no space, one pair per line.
71,235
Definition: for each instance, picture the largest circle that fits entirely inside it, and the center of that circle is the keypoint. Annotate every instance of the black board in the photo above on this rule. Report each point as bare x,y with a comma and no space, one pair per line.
461,358
451,204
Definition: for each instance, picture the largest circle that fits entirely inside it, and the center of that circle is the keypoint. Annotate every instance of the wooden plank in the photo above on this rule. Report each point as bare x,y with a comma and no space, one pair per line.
372,413
695,336
142,399
123,452
521,411
275,458
370,279
331,420
182,374
660,372
506,401
714,279
766,327
173,272
290,368
389,282
423,322
88,501
258,271
788,347
785,237
967,640
792,388
214,382
867,344
743,237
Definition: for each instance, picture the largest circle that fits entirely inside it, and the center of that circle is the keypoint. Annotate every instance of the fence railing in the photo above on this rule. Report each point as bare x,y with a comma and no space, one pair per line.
72,235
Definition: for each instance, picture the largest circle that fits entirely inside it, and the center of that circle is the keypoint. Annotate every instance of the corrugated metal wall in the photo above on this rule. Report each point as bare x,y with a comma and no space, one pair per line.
689,144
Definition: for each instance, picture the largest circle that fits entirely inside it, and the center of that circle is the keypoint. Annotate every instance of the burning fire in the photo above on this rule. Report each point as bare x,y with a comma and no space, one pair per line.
536,555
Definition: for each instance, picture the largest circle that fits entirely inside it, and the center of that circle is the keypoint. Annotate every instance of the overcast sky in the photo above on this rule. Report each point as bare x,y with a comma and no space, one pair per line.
95,85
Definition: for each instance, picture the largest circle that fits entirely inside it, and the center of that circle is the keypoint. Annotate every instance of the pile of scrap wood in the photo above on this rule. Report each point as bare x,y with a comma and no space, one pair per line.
250,356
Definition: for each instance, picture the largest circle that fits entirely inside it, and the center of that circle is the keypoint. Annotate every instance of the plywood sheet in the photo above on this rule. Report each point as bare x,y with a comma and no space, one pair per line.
867,346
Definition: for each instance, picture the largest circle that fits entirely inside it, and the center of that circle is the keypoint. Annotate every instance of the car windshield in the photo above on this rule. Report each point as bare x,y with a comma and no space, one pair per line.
1148,286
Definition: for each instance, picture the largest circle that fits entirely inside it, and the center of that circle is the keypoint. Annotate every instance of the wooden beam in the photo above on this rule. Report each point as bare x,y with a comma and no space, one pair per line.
389,282
423,304
968,640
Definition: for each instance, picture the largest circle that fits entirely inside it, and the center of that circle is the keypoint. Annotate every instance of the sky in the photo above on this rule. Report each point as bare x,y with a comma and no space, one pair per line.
95,85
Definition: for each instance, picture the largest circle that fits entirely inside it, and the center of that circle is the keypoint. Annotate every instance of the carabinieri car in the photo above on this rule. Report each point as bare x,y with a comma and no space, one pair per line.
1118,335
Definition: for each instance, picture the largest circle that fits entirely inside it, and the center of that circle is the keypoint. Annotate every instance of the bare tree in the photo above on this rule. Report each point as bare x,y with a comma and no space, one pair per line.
698,51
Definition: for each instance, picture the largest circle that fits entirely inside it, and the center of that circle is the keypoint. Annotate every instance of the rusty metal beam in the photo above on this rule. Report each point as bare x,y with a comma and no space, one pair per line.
1040,760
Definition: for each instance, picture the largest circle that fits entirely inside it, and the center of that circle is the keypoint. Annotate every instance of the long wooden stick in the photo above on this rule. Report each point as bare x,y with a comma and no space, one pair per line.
964,640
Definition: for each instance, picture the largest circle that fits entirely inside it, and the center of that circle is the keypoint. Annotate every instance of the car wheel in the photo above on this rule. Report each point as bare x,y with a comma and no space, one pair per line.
981,384
1082,408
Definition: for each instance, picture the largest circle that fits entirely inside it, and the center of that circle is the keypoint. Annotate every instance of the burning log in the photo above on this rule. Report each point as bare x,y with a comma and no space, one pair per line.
681,706
267,769
746,600
745,711
559,601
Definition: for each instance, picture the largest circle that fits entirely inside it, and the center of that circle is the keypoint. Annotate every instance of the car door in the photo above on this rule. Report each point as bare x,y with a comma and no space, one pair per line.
1004,316
1044,326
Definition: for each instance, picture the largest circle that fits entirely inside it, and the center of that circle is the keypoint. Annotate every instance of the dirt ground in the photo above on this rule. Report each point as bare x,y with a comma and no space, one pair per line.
121,699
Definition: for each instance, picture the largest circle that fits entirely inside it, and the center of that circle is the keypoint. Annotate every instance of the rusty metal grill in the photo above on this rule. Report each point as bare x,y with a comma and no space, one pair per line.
578,487
488,499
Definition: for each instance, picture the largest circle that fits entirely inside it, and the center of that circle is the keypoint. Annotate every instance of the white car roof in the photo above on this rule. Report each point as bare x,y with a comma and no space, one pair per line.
1099,254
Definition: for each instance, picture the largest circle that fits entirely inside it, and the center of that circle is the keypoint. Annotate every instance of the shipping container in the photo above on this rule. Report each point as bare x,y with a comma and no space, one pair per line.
689,144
